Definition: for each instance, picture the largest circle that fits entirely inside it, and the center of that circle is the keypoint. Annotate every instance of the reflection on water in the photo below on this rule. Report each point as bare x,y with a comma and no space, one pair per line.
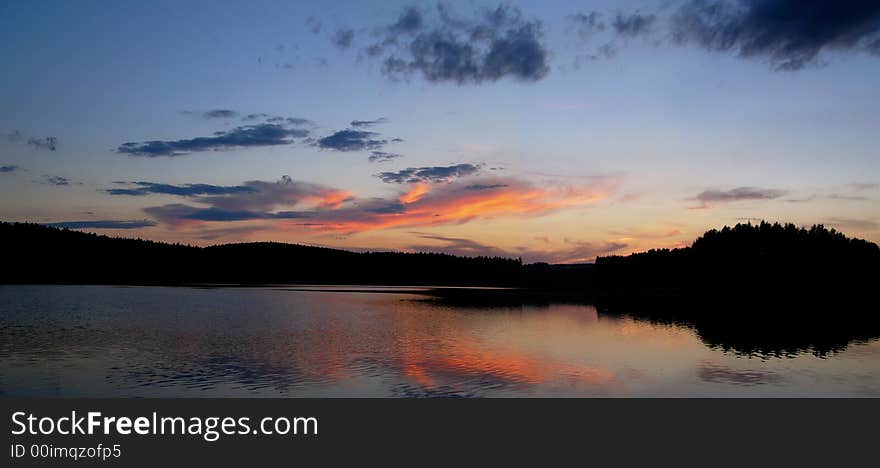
140,341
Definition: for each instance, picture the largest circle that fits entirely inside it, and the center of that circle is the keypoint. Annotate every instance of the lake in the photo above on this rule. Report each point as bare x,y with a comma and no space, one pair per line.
111,341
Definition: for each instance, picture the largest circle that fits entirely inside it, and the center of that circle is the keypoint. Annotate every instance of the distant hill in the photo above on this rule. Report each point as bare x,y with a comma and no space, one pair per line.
35,253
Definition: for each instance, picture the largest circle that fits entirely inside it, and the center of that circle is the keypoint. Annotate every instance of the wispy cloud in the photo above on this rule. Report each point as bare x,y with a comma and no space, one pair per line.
413,175
352,140
220,114
103,224
249,136
56,180
179,213
314,25
368,123
382,156
587,23
186,190
633,24
343,38
49,143
708,198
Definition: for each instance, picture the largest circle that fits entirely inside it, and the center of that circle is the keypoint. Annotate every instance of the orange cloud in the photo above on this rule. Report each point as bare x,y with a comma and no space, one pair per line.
298,206
415,193
330,198
457,203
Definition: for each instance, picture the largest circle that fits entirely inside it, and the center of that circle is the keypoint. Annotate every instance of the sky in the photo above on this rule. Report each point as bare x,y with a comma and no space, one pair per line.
553,131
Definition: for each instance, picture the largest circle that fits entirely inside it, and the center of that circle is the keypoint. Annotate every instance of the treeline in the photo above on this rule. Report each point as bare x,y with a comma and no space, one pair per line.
763,260
39,254
757,261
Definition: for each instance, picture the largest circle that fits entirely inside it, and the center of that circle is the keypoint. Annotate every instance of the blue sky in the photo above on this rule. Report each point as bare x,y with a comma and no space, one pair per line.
576,141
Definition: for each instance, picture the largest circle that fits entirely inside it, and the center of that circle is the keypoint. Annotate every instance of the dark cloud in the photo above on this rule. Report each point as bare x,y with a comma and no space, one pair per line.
494,44
314,25
368,123
711,197
382,156
841,196
385,207
104,224
48,143
298,121
485,186
409,22
587,23
276,119
633,25
186,190
266,134
180,212
805,199
8,168
790,34
622,27
267,196
56,180
352,140
253,199
343,38
429,174
220,114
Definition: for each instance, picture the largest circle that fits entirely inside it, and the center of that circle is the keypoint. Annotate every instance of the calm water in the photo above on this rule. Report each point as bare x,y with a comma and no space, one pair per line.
154,341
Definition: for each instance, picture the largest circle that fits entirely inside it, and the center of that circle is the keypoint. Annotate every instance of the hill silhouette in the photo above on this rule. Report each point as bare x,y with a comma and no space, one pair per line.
745,260
42,254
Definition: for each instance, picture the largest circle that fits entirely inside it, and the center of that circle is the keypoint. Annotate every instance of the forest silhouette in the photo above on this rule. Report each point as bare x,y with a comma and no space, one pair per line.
770,260
766,259
41,254
767,289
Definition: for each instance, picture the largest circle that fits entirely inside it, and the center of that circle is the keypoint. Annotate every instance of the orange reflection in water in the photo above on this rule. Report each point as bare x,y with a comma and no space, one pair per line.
447,354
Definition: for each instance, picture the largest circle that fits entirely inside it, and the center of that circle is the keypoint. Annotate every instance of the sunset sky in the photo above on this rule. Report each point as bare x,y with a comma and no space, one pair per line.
552,130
